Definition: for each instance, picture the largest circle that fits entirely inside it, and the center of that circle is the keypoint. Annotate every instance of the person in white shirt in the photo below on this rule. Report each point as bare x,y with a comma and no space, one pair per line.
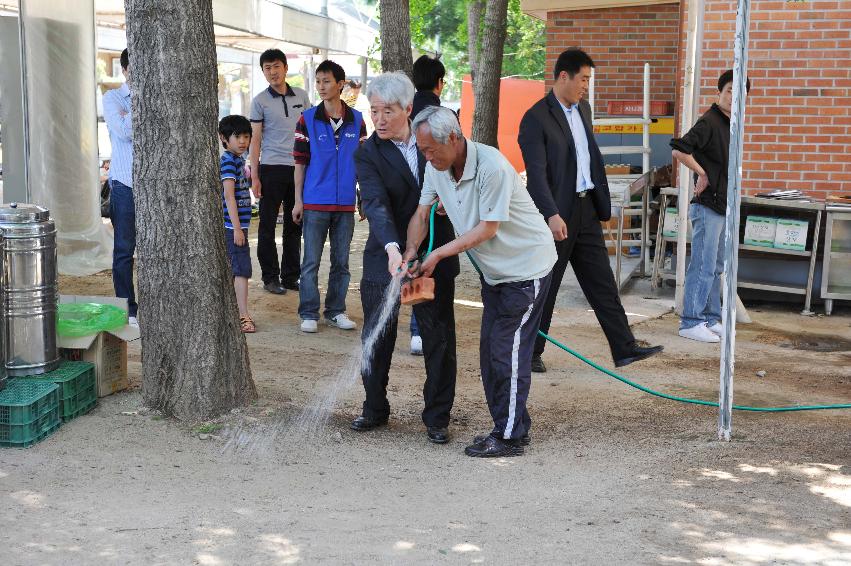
122,209
495,220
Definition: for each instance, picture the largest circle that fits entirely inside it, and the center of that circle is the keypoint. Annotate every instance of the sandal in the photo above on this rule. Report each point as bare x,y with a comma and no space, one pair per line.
247,325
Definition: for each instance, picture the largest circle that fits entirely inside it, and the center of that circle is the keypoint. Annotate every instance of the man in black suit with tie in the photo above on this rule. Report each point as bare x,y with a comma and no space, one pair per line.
567,180
390,172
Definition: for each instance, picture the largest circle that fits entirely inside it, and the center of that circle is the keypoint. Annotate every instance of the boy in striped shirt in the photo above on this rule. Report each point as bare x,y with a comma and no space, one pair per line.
235,133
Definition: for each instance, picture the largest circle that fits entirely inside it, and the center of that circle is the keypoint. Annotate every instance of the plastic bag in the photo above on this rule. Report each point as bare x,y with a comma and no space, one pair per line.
82,319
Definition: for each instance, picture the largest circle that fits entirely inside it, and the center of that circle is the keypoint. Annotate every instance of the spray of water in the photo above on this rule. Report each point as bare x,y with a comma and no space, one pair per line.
313,420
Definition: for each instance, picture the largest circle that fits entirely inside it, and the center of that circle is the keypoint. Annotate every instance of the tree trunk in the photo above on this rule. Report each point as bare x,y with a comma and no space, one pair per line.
194,356
474,20
396,36
486,83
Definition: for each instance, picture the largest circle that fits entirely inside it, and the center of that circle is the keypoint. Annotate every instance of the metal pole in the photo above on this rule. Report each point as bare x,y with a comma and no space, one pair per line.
591,94
691,97
364,68
25,101
645,136
645,168
731,250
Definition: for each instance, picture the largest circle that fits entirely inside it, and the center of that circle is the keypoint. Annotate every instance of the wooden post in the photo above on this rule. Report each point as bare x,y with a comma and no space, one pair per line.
691,105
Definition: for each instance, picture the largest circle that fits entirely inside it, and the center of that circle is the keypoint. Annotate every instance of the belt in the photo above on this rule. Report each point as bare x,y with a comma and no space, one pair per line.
583,194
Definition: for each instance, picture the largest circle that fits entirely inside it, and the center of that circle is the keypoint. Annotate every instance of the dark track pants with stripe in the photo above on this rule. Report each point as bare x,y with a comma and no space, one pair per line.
512,315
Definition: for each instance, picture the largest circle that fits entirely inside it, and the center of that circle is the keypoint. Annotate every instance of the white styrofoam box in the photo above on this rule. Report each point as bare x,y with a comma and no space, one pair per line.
791,234
760,231
671,222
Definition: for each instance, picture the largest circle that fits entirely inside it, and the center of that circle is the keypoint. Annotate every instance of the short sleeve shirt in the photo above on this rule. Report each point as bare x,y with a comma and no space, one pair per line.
233,167
279,115
491,190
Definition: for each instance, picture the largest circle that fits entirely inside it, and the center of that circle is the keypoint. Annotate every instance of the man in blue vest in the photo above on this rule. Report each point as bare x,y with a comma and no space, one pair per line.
326,138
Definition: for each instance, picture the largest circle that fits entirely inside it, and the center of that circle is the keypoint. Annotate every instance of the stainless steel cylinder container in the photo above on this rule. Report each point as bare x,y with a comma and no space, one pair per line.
30,292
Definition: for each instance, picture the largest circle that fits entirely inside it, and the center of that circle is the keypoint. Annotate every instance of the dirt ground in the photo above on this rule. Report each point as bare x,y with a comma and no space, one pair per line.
613,476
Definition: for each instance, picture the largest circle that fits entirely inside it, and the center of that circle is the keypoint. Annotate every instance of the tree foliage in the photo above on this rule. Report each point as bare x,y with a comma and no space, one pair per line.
441,26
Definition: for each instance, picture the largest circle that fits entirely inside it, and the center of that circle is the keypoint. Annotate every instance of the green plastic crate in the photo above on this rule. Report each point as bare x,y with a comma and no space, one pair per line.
80,404
81,410
29,412
78,393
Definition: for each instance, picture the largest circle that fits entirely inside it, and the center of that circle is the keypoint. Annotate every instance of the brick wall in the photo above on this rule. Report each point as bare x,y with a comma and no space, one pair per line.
798,115
620,40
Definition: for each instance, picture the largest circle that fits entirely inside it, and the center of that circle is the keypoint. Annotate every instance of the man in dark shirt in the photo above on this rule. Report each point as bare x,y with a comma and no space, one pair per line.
428,80
705,150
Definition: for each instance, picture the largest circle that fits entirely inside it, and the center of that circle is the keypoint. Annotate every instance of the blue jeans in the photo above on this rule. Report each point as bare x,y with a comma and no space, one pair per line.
122,210
702,294
316,226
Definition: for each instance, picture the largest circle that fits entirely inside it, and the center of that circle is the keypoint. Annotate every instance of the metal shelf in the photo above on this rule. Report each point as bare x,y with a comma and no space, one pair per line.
775,203
807,206
835,260
750,248
618,149
770,287
798,253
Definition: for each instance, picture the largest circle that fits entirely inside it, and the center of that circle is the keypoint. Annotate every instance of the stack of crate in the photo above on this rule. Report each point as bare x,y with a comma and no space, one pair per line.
29,412
33,407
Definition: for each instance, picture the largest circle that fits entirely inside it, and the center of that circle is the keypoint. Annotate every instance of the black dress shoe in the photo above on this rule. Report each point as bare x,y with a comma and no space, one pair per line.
524,440
438,435
275,288
538,365
291,285
492,447
363,423
638,353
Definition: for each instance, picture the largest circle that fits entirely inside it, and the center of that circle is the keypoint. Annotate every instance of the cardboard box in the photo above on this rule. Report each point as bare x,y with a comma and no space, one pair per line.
617,169
791,234
760,231
107,350
636,108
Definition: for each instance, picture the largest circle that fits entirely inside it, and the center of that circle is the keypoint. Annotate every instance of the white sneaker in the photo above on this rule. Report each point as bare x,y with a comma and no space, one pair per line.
133,321
308,326
416,346
700,333
717,329
342,322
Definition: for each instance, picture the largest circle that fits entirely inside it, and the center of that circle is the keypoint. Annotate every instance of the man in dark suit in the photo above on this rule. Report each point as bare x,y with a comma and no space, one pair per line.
567,180
390,172
428,80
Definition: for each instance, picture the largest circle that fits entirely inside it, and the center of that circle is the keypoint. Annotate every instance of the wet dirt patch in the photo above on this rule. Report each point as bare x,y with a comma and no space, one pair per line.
799,341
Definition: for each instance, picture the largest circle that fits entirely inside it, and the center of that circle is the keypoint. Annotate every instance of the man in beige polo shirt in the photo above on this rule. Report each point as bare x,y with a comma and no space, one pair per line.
495,220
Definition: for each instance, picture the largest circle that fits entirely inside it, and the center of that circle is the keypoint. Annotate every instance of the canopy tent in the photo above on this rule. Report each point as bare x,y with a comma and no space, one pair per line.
48,86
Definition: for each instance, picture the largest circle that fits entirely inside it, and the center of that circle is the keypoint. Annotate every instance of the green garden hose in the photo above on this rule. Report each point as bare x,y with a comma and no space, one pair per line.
638,386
